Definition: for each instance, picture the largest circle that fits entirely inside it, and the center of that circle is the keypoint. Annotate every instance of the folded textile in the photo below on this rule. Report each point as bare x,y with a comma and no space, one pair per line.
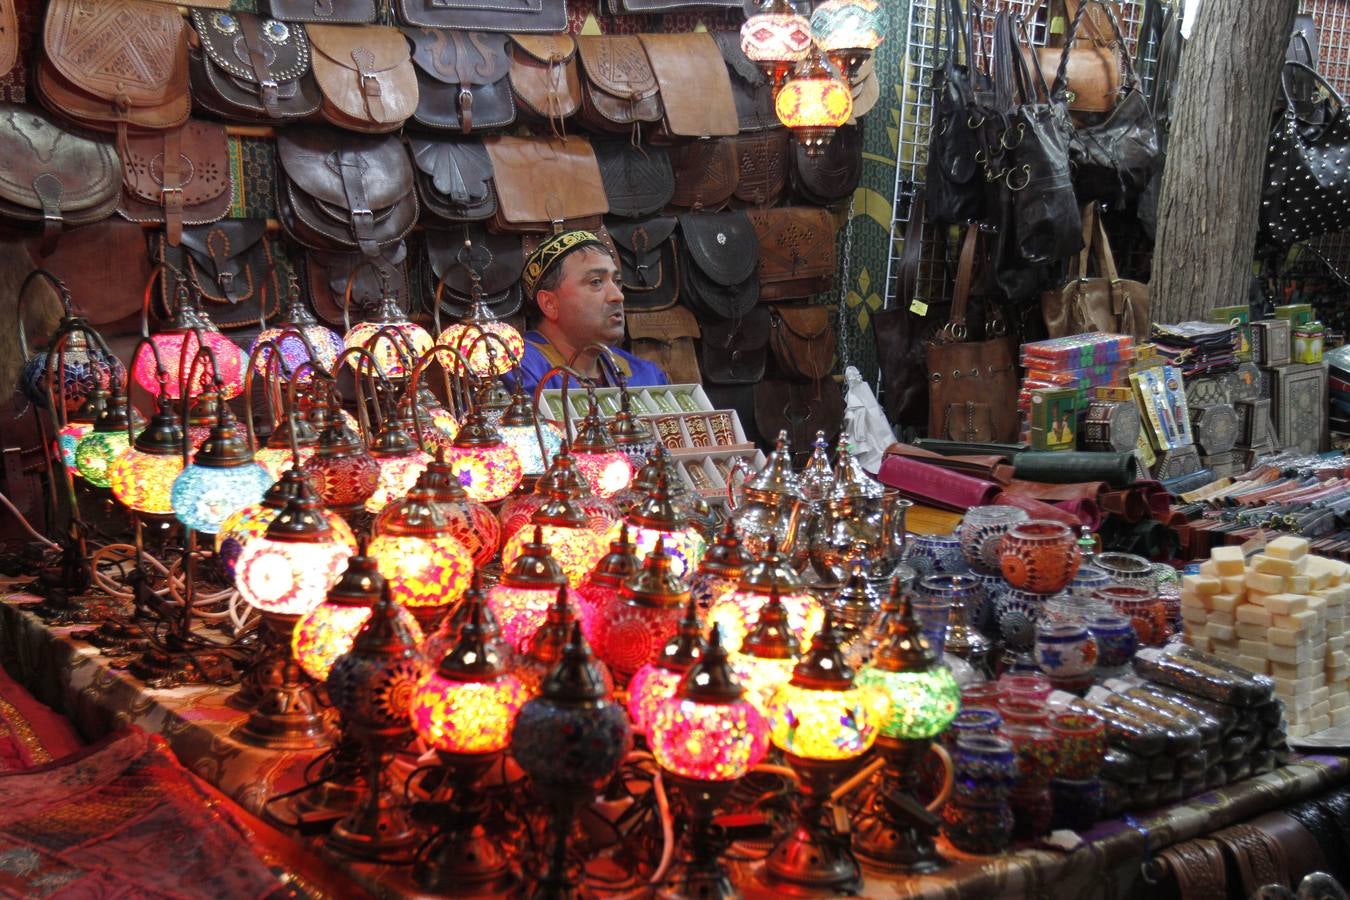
1065,467
943,488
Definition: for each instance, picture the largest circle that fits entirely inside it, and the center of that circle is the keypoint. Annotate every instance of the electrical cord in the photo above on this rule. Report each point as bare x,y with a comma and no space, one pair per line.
28,526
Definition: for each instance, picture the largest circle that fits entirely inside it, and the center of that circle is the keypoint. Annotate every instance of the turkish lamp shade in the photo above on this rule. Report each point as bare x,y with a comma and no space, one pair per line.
923,694
290,569
222,478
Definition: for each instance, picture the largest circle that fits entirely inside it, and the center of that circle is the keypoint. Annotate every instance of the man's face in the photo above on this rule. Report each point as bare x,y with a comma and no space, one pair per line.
588,303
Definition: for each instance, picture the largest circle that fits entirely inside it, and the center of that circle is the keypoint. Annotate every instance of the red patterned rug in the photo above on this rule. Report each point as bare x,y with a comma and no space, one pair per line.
30,733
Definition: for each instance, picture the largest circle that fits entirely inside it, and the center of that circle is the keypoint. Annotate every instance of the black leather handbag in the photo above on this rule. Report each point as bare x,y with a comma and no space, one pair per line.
719,253
647,262
638,179
454,179
458,254
956,191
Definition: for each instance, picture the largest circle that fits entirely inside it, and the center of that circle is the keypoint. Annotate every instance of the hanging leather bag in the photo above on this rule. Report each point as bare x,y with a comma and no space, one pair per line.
343,288
647,262
638,180
831,176
53,176
751,91
761,166
180,176
1086,69
802,341
796,251
463,81
643,7
695,87
544,76
972,385
666,337
706,173
955,188
734,351
366,76
718,257
330,12
1165,26
532,16
454,179
344,192
619,89
246,67
233,266
544,182
458,254
800,408
1106,303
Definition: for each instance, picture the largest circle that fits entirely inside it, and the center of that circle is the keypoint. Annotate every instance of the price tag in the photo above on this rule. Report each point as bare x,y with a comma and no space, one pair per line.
918,307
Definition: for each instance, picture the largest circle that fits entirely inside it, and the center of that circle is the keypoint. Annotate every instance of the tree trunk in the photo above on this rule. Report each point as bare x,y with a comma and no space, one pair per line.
1211,189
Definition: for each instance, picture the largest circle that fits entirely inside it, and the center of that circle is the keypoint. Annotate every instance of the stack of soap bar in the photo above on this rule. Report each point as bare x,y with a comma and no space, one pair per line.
1280,613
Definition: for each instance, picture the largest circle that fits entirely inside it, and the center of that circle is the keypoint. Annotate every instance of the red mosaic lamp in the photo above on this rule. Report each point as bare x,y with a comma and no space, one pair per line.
567,532
427,568
471,522
520,601
658,680
601,585
645,613
545,648
604,466
770,573
487,467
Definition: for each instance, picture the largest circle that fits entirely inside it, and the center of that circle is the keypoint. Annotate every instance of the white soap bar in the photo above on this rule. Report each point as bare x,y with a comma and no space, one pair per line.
1234,584
1254,664
1264,583
1284,637
1298,670
1227,560
1249,647
1285,604
1288,546
1338,717
1288,655
1201,584
1253,615
1273,565
1215,631
1248,632
1225,602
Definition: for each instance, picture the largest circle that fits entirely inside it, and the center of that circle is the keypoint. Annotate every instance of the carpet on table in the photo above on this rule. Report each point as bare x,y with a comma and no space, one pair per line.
31,734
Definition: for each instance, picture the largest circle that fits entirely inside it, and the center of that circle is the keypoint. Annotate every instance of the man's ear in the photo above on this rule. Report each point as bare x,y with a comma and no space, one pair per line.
547,301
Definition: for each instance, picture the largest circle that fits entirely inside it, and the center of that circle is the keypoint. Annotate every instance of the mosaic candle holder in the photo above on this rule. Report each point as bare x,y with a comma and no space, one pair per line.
1028,687
1017,613
933,554
1116,639
1126,569
1143,607
959,593
1080,743
1066,652
972,723
1040,556
985,767
978,828
982,530
1035,751
983,695
1023,712
1088,579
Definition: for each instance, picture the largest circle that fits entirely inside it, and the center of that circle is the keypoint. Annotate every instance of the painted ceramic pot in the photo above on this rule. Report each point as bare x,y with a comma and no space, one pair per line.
1080,743
1116,639
1040,556
982,528
1065,651
1143,607
974,722
934,554
1126,568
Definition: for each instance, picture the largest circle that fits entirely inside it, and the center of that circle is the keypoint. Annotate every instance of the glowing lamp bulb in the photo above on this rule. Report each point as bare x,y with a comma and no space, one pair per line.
397,475
607,472
487,357
576,548
328,631
658,680
395,345
521,610
143,482
735,613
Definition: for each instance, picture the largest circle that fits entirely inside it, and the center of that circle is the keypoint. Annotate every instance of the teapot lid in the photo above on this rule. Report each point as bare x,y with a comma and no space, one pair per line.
777,476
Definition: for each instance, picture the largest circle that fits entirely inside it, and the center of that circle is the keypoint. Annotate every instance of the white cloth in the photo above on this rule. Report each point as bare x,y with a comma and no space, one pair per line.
865,422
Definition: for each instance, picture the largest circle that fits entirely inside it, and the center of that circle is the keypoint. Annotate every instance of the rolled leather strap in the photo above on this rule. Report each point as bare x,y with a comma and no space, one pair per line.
1258,856
1301,851
1197,867
49,189
1064,467
352,170
257,59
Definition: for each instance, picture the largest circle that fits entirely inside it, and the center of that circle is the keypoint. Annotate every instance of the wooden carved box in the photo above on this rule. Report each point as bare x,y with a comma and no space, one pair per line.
1299,406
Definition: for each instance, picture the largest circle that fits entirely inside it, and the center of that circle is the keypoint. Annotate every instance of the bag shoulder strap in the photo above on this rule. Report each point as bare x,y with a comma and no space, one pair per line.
912,251
1316,75
1061,75
955,329
1106,259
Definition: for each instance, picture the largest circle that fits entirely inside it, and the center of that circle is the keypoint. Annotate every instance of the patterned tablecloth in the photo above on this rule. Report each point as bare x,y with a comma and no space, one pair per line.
196,722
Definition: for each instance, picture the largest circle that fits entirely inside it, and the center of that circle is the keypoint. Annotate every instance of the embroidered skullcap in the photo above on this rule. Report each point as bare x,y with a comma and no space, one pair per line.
551,252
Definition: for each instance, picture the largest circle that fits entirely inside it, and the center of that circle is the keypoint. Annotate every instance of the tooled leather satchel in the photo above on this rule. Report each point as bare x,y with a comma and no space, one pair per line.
619,89
796,251
251,68
802,341
344,192
366,76
544,75
695,86
52,176
832,175
331,277
1106,303
666,337
647,262
734,351
751,90
115,65
462,79
178,177
454,178
638,180
544,182
497,259
761,166
533,16
718,256
231,263
706,173
330,12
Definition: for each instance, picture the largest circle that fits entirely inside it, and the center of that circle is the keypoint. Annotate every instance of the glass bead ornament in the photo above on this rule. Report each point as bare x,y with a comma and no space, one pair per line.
487,468
471,522
655,520
401,462
292,349
606,469
567,533
720,569
142,477
222,478
813,103
632,628
427,568
342,470
290,569
600,587
767,655
520,601
771,572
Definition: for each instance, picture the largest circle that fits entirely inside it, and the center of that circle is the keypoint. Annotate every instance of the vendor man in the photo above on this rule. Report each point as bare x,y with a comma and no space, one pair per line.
576,296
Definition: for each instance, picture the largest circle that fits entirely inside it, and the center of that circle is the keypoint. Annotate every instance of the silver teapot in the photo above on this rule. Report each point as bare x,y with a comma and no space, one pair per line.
771,504
858,515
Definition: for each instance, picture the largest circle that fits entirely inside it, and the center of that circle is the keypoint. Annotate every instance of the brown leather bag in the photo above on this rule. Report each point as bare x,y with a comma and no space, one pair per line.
496,259
344,192
543,182
972,385
751,89
735,351
544,75
341,283
647,262
666,337
246,67
619,89
115,65
9,36
1091,67
802,341
762,166
366,76
109,297
832,175
52,176
462,81
801,408
1106,303
706,173
232,267
454,179
485,15
638,180
178,176
796,251
330,12
643,7
695,86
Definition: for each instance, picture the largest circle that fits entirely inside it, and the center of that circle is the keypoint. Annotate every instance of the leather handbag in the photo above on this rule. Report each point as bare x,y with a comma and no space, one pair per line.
454,179
796,251
232,265
330,12
106,297
666,337
366,76
342,283
142,85
832,175
180,176
638,180
933,485
956,192
972,385
544,76
695,86
706,173
802,341
1165,24
1113,159
718,257
751,91
544,182
531,16
734,351
1107,303
463,81
1307,182
761,166
619,89
9,36
53,176
642,7
647,262
1086,69
344,192
246,67
800,408
460,254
